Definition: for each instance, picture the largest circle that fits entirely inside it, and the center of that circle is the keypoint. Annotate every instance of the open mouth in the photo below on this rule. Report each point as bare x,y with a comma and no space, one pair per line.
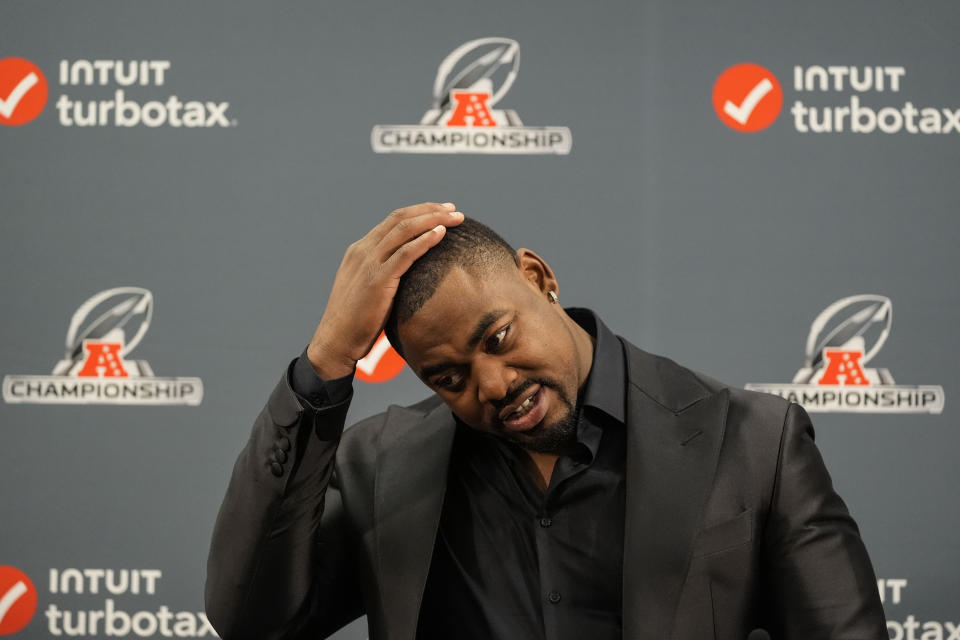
527,414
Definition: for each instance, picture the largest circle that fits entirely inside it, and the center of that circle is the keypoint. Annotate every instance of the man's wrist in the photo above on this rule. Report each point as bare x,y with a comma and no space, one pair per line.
326,365
315,389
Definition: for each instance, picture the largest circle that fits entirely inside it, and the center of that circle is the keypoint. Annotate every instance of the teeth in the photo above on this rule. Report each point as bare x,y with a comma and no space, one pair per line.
523,408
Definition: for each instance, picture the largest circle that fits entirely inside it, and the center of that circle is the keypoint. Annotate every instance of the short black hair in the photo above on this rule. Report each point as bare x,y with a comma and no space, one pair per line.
469,245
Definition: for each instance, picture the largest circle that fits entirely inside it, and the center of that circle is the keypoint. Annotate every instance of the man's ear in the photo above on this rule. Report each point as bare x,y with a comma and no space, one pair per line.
536,271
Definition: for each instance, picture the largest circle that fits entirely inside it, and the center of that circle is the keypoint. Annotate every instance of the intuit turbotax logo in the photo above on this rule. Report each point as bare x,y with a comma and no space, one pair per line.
105,93
834,378
96,368
859,99
95,603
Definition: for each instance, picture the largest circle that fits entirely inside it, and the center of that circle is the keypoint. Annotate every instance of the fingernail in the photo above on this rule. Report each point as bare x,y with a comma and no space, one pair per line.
456,214
449,205
439,228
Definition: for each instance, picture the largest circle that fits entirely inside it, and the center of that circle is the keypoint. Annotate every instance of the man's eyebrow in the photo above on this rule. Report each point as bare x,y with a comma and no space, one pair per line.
488,319
434,369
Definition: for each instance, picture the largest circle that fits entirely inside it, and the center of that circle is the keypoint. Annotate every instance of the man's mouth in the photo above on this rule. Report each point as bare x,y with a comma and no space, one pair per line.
526,413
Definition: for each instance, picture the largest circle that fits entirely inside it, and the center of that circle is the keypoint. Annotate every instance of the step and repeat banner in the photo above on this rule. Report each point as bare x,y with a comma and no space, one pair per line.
765,192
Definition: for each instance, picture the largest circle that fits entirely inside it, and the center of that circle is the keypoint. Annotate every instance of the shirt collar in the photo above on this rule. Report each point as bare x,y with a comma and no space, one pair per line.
605,387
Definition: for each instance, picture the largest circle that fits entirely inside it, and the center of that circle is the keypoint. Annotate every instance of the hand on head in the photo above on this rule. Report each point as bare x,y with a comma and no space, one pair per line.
367,280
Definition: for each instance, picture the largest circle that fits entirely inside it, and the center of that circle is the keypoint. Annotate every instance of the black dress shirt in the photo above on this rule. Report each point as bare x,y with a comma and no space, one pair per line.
511,562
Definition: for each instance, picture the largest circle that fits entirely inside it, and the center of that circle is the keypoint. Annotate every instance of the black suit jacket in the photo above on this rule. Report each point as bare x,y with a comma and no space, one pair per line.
731,519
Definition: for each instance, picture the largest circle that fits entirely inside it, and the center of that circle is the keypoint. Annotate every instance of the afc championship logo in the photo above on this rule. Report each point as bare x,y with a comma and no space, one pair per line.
462,119
843,339
96,368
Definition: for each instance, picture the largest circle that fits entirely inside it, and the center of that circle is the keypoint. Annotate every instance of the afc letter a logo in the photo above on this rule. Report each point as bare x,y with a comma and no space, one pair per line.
843,368
471,110
103,360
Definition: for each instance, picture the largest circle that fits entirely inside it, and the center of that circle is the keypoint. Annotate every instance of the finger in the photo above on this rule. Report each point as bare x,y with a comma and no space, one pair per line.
408,229
378,232
410,252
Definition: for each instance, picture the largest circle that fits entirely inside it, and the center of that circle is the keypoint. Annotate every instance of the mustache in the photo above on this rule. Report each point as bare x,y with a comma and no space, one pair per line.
521,388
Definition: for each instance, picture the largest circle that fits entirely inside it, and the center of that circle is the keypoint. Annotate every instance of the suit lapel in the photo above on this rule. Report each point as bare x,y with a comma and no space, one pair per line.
675,427
410,487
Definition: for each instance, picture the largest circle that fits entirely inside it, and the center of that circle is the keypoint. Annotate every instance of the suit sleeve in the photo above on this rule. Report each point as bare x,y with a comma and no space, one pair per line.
823,585
280,558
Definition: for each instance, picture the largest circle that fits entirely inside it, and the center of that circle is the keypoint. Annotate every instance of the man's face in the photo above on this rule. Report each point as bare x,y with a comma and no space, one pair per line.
506,360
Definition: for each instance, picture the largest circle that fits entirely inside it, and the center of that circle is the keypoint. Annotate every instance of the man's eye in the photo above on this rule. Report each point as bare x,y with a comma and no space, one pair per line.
495,341
448,382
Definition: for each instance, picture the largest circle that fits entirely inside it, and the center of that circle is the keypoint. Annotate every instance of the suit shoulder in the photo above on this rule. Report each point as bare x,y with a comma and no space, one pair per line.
755,426
749,406
366,433
677,387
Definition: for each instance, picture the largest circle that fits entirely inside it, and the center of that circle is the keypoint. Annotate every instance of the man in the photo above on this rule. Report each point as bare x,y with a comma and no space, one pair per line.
561,483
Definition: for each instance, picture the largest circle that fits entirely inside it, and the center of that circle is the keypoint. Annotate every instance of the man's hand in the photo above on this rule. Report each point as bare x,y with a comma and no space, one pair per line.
367,281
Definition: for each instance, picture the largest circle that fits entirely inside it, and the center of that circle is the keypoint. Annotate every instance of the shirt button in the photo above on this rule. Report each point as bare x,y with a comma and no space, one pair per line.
284,443
553,597
545,522
280,455
276,469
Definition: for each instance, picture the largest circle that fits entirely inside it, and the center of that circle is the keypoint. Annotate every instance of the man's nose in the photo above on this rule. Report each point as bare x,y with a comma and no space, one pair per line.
494,379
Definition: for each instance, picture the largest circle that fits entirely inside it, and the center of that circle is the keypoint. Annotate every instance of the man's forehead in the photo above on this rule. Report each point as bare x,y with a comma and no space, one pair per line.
461,302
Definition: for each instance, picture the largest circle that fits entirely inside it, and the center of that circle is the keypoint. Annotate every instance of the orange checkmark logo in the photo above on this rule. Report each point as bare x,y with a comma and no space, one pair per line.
23,91
18,600
747,97
381,364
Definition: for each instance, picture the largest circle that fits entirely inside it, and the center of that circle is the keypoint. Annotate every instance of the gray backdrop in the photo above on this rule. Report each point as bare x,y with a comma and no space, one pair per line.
715,247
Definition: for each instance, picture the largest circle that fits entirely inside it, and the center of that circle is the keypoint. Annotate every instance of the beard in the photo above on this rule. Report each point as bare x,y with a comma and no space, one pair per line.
555,437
